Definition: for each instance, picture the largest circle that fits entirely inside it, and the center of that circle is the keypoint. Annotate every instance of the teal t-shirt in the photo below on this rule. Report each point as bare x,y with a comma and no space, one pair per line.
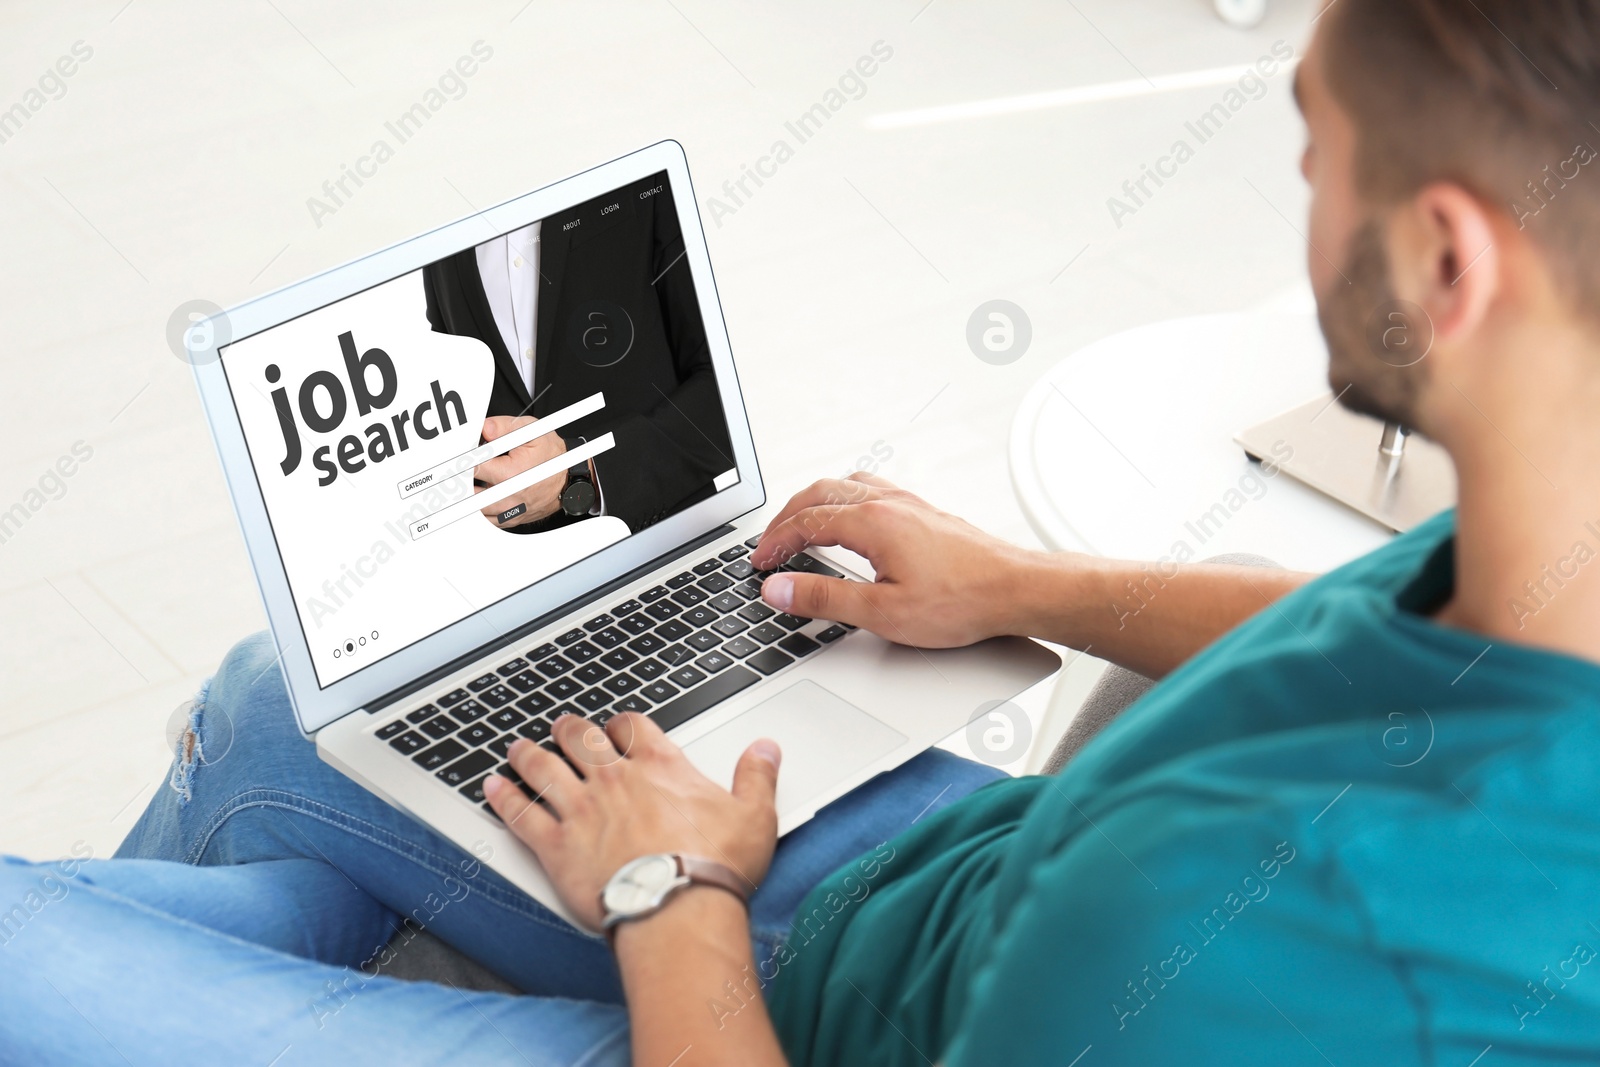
1342,834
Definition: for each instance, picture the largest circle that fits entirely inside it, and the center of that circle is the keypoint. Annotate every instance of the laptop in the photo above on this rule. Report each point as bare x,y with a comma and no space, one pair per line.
388,431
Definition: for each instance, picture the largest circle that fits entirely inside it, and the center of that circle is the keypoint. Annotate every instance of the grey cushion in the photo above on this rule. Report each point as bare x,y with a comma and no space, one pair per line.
1117,689
420,957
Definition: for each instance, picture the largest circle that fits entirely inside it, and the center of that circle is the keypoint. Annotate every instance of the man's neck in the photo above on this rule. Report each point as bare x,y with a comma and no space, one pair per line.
1528,522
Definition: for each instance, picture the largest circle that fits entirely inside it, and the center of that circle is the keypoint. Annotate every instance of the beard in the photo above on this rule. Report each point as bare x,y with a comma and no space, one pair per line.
1376,341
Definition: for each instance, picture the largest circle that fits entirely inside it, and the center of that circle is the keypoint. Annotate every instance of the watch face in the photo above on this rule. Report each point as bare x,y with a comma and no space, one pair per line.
640,885
578,498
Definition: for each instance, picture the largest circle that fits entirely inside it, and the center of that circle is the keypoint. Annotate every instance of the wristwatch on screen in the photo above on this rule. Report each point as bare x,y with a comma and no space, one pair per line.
578,498
642,887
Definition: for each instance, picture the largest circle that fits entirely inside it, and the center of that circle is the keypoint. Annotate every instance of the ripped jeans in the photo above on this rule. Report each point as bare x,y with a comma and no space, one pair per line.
240,919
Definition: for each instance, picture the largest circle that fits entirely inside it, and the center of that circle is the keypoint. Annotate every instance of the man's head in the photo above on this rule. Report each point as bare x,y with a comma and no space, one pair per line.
1455,182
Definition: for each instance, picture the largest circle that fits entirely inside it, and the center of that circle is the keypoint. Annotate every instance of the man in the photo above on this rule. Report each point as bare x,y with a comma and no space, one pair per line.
1240,869
598,298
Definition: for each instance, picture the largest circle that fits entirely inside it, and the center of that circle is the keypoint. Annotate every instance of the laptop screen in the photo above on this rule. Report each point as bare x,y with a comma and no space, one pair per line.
436,443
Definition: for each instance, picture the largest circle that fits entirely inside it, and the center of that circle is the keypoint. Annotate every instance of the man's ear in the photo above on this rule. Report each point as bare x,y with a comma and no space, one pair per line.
1443,257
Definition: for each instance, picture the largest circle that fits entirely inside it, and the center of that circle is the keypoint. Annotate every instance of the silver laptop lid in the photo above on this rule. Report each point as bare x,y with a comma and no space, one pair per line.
363,418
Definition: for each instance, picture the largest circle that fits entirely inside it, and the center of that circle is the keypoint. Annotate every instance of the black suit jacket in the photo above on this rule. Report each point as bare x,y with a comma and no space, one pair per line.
616,313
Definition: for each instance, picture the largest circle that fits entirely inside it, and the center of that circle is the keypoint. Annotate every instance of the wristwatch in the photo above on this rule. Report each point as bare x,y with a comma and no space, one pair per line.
643,886
578,498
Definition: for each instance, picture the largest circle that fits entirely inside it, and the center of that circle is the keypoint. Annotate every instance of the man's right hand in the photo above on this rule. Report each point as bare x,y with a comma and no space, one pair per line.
941,582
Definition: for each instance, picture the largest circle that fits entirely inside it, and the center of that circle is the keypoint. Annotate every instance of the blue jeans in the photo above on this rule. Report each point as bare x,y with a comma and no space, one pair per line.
242,917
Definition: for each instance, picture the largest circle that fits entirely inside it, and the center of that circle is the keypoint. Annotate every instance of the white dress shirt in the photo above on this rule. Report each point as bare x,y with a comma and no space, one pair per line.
509,267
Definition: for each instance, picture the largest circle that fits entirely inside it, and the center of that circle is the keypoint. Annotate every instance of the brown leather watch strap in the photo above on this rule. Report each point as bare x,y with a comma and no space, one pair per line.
701,871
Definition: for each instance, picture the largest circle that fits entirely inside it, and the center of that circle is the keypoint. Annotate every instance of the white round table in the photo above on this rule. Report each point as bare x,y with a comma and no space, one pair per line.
1125,448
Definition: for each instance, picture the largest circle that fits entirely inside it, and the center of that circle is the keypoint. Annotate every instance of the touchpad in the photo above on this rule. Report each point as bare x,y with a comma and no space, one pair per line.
825,739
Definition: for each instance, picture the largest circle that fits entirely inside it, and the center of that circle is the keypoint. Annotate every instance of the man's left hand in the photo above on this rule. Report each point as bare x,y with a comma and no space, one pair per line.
634,793
540,500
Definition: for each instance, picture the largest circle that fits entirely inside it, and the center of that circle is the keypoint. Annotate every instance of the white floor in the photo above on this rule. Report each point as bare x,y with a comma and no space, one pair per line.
178,162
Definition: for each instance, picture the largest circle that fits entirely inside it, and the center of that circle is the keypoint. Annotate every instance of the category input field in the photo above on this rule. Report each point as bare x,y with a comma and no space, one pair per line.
450,513
463,463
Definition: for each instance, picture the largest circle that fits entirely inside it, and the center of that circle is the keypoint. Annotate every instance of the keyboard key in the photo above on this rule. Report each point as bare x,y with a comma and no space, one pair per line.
730,626
654,593
739,568
645,644
497,696
559,710
740,647
478,685
675,630
627,607
790,622
516,666
798,645
555,666
675,655
582,652
610,637
392,729
544,651
471,711
593,699
439,726
752,542
501,745
678,581
757,612
534,703
662,610
603,716
660,692
465,769
409,742
750,588
770,660
569,637
473,790
715,583
427,711
729,554
699,616
686,677
832,634
505,719
767,633
525,681
598,623
703,641
563,688
637,623
811,565
692,703
689,596
591,673
477,734
618,658
537,730
649,669
712,662
455,696
623,684
634,703
726,602
446,751
707,566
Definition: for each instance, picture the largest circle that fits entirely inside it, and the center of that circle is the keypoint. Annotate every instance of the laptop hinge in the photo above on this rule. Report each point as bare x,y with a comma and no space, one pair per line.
516,635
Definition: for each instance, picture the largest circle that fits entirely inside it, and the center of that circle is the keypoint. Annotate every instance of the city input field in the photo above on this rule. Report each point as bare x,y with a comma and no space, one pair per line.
510,487
501,445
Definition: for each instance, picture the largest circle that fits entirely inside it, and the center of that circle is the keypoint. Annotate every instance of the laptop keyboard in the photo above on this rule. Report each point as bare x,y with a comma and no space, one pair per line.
674,651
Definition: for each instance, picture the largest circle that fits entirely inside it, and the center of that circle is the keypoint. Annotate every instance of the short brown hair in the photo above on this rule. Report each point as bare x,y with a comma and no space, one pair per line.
1497,96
